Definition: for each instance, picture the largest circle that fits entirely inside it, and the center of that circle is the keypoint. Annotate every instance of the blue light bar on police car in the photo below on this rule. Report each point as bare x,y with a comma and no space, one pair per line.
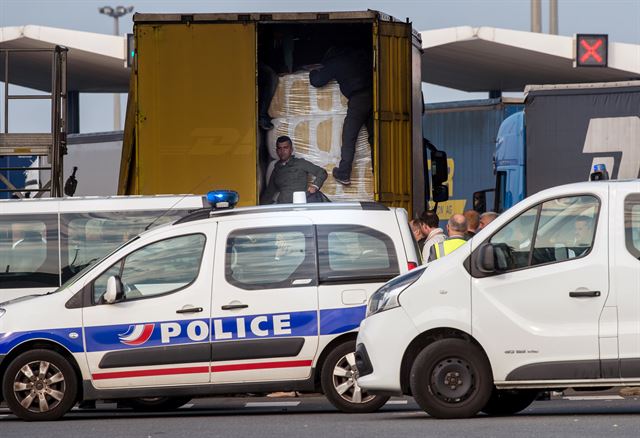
223,198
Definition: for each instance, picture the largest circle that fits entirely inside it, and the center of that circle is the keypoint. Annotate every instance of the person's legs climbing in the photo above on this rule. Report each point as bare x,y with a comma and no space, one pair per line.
358,113
267,84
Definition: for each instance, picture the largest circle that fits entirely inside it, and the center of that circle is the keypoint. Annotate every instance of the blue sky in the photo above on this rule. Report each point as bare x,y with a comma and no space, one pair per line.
618,18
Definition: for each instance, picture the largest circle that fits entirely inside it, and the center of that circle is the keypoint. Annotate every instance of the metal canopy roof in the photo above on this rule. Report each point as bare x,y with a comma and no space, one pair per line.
95,62
486,58
466,58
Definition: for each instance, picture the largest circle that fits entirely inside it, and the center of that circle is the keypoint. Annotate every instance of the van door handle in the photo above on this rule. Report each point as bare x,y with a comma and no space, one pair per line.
584,294
234,306
190,310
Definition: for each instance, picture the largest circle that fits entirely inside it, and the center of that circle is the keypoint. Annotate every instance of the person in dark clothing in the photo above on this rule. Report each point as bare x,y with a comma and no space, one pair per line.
351,68
267,85
276,58
290,174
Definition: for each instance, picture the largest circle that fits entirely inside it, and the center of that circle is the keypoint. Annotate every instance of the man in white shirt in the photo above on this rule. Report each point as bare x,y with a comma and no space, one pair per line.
431,230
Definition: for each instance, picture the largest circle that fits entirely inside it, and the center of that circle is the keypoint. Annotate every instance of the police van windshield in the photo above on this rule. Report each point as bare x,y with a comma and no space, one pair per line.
89,266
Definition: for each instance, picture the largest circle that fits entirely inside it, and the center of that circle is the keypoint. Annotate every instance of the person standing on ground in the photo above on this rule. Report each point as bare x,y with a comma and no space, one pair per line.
456,228
352,69
416,230
473,222
434,234
291,174
486,218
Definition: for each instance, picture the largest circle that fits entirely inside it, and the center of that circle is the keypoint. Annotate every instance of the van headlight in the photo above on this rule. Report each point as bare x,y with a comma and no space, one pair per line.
2,312
387,296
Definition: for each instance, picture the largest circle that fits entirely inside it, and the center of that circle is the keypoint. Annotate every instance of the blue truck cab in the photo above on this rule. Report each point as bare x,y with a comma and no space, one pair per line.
509,161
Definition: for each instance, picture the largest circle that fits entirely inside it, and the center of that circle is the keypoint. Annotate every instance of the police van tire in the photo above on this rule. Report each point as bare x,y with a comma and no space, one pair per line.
40,385
505,402
451,378
338,380
157,404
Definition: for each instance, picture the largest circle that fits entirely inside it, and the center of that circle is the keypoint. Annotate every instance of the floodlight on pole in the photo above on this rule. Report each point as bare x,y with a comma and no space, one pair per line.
116,13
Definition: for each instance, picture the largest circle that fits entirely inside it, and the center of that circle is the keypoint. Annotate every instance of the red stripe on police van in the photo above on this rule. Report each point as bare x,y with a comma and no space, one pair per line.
260,366
147,373
196,370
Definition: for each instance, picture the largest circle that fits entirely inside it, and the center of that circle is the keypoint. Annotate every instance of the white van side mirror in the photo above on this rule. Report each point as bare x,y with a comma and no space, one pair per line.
114,290
486,259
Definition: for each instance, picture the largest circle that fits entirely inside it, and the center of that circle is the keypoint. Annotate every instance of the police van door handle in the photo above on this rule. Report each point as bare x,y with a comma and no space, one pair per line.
189,309
584,294
234,306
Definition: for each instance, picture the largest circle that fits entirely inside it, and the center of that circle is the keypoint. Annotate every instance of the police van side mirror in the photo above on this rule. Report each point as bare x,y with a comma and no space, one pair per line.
485,262
114,290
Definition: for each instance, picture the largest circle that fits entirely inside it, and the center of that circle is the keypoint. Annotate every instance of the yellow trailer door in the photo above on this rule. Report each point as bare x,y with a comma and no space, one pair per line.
196,100
392,114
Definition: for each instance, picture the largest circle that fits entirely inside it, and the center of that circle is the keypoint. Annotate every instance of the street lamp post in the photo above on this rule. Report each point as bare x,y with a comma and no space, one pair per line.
116,13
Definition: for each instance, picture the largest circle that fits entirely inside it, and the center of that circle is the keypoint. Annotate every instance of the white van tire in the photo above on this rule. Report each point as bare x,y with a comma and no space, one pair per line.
43,380
338,379
451,378
505,402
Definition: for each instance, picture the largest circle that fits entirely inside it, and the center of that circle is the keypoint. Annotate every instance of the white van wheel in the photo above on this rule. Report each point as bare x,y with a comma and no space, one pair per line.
451,378
339,382
40,385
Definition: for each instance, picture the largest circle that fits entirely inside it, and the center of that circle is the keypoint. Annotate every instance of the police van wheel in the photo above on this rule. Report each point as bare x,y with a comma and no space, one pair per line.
157,404
451,378
338,378
40,385
509,401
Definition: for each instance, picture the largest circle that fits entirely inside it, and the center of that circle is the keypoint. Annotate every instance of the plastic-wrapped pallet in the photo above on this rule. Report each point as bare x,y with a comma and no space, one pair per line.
313,118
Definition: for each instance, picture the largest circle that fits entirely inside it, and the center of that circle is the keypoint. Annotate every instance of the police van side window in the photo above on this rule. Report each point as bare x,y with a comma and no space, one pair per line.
86,237
156,269
353,253
632,224
270,258
29,251
554,231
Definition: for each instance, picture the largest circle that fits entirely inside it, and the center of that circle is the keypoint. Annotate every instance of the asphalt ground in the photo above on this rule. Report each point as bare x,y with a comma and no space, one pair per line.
579,415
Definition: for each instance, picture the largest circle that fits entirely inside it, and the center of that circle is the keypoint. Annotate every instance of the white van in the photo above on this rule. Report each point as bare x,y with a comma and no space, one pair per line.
546,296
250,300
44,242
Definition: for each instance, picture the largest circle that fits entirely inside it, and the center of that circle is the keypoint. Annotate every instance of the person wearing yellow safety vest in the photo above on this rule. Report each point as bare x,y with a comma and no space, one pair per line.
456,227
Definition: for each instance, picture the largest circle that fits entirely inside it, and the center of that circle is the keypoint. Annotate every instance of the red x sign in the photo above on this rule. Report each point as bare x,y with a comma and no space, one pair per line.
591,50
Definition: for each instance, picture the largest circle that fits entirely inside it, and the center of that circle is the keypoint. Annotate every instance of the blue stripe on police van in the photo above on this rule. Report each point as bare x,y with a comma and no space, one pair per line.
163,333
276,325
70,338
335,321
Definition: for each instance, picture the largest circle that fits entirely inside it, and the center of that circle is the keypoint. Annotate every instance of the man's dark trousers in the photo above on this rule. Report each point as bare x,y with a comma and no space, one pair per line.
359,112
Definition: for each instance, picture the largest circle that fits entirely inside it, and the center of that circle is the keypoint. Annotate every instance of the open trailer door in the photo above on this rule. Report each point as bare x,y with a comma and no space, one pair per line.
196,124
393,114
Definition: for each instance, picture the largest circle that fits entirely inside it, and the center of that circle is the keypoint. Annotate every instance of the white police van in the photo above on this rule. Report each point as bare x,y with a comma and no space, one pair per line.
247,300
44,242
546,296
